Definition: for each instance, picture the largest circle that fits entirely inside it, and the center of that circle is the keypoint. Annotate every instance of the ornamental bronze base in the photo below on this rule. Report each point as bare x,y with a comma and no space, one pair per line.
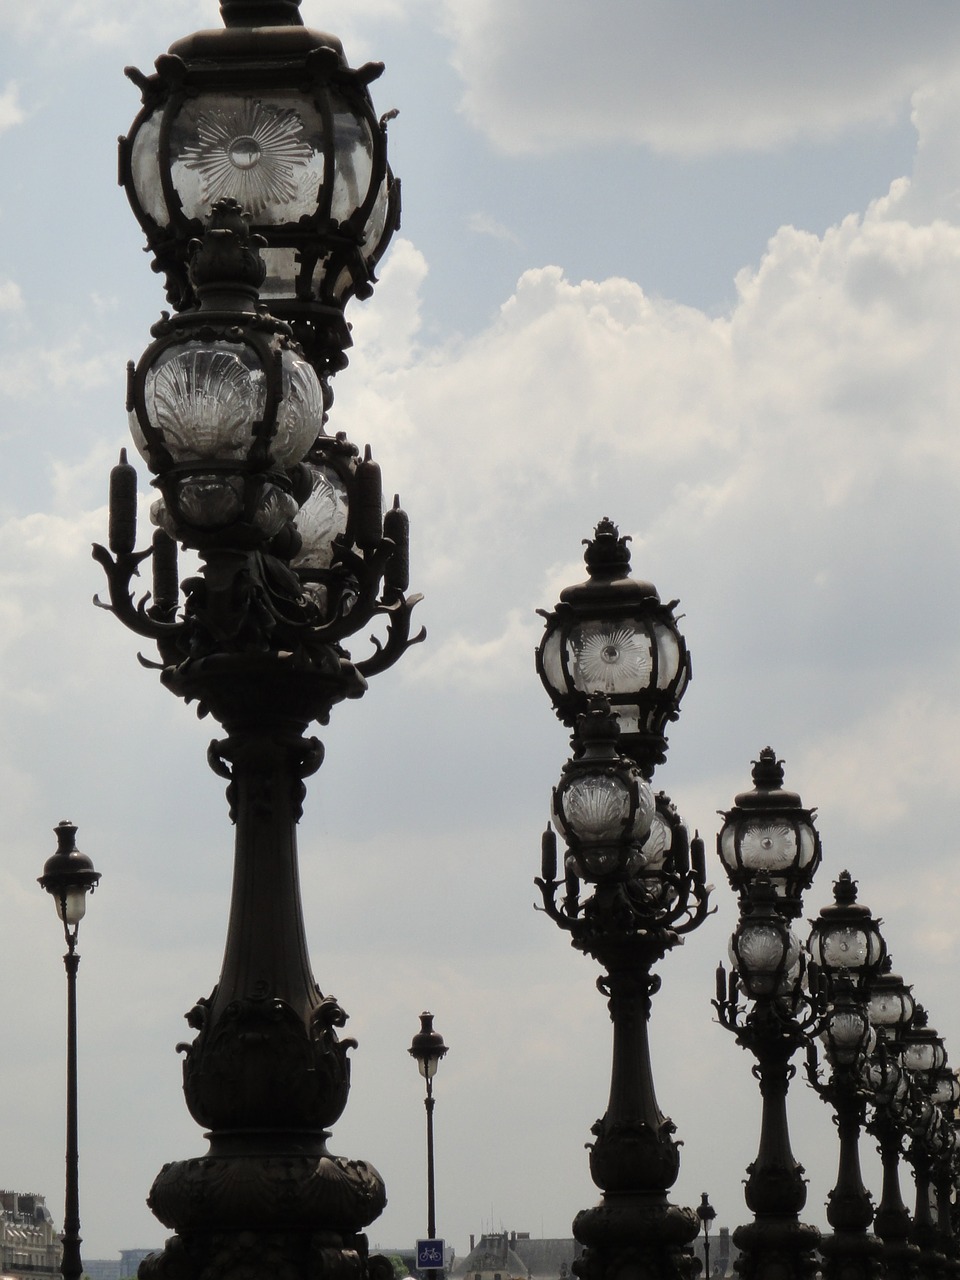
286,1213
776,1249
901,1260
636,1237
851,1256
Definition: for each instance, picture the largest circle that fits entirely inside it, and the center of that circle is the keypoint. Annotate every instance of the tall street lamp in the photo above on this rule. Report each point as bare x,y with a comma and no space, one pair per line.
257,169
891,1008
615,666
770,850
68,876
847,950
706,1213
924,1057
428,1048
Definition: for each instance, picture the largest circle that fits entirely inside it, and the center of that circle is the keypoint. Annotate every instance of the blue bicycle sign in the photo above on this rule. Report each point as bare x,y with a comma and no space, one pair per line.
429,1255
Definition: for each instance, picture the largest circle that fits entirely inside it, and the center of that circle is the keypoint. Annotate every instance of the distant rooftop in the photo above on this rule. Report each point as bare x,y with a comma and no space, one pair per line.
516,1256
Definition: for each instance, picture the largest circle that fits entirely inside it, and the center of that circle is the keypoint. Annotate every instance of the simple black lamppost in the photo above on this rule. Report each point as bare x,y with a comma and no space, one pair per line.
770,850
616,666
68,876
706,1213
257,169
428,1048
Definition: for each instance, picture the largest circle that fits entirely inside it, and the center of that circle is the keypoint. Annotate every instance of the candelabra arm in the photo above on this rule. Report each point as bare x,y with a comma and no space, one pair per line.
399,640
135,615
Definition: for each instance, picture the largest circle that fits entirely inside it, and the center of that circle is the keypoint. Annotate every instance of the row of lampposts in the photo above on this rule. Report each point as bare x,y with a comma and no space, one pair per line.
258,171
632,883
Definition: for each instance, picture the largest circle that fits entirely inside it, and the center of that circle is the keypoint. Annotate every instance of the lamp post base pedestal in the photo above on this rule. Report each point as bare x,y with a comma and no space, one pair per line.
286,1214
636,1237
852,1256
777,1249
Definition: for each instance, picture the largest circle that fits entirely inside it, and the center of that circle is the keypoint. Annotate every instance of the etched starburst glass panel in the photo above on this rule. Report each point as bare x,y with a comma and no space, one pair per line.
889,1008
610,657
769,846
321,518
265,152
919,1056
353,168
205,399
844,948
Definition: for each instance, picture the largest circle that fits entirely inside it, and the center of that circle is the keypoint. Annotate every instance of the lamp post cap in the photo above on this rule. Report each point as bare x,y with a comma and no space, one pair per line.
845,905
68,868
607,558
260,13
427,1045
768,790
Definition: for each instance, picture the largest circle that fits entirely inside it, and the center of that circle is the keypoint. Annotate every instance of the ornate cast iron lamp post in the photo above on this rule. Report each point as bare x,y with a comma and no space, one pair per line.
615,666
847,948
68,876
891,1008
258,172
770,850
945,1094
924,1057
428,1049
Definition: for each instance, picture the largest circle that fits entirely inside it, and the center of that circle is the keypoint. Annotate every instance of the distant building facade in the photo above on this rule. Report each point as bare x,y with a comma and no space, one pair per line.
102,1268
515,1256
130,1260
30,1246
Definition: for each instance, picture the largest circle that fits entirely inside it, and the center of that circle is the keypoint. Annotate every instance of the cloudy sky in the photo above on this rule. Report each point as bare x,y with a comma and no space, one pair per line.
695,266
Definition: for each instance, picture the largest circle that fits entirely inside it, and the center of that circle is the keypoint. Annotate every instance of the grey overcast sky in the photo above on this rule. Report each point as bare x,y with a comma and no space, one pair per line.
695,266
